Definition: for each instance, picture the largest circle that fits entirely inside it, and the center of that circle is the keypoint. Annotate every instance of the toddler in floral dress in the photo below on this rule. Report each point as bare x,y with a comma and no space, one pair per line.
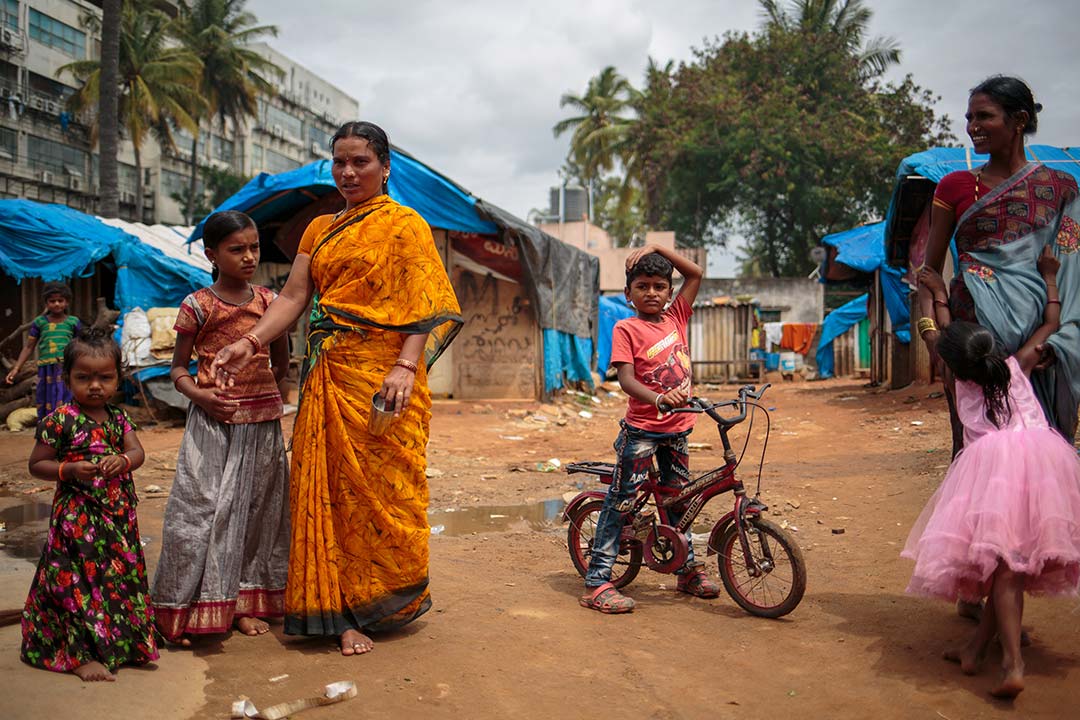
88,611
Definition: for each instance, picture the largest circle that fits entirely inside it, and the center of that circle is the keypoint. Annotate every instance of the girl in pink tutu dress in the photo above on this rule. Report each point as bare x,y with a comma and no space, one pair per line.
1006,519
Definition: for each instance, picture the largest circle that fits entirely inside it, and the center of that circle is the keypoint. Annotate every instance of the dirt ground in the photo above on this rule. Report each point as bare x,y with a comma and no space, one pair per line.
506,637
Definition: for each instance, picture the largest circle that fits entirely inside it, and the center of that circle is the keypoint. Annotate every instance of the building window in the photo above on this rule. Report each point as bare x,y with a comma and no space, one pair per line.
10,10
222,149
276,121
318,137
275,162
50,155
58,35
9,144
174,183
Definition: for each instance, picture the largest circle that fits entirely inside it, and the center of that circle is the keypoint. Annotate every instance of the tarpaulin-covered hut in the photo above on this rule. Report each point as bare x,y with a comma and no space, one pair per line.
529,301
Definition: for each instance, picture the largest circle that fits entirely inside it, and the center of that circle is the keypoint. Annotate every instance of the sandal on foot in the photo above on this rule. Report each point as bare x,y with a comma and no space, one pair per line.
607,599
698,584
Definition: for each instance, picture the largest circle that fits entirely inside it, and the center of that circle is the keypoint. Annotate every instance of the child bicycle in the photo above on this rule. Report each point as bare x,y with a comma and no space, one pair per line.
761,566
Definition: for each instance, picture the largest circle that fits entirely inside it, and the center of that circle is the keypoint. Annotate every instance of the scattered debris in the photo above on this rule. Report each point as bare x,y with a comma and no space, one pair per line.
549,465
154,489
793,503
433,473
935,395
838,531
511,437
847,398
438,529
916,422
279,678
585,414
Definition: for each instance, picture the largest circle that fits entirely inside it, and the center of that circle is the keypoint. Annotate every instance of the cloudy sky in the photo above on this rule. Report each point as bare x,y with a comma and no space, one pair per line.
472,88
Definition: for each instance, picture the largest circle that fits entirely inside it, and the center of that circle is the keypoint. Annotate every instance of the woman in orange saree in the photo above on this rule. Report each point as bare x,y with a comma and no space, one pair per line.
384,310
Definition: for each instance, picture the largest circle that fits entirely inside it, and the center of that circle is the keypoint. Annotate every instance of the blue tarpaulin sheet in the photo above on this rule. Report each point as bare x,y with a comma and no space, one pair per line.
612,310
838,322
54,242
442,203
861,248
51,242
566,359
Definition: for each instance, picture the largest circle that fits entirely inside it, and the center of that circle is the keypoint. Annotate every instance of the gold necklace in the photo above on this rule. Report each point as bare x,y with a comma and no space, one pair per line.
978,176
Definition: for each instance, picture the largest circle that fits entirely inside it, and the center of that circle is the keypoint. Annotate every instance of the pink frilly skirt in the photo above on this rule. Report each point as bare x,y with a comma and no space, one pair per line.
1012,496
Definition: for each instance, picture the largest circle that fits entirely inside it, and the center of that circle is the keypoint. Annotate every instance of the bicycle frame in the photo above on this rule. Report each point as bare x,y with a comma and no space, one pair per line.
693,496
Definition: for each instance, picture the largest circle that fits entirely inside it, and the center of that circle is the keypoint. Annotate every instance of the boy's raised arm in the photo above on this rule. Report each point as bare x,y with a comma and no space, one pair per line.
690,271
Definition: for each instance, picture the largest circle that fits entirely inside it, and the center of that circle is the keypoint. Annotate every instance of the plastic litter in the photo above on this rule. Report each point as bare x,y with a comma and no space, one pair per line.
333,693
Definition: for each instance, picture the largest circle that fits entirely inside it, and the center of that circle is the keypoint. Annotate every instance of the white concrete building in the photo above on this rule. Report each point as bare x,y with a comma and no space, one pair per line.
46,153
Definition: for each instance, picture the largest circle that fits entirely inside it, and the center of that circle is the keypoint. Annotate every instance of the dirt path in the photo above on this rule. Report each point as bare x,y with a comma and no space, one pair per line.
506,637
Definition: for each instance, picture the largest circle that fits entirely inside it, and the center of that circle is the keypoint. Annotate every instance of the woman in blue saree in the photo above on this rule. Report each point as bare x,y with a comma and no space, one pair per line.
1000,216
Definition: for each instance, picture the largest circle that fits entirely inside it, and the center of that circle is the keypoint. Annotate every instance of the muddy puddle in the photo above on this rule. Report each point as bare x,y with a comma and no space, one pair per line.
24,529
544,515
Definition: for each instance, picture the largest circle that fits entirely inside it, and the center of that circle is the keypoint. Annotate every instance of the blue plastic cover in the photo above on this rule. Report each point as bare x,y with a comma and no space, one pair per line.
566,358
54,242
895,292
861,248
612,310
51,242
838,322
441,202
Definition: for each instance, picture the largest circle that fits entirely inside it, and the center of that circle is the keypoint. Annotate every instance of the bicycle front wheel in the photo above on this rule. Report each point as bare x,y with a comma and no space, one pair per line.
776,585
579,540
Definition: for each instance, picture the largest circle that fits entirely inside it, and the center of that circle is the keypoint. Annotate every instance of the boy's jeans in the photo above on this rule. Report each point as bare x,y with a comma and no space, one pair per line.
634,449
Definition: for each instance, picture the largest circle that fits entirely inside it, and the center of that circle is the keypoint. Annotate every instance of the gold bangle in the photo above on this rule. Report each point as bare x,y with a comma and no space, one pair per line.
407,364
925,324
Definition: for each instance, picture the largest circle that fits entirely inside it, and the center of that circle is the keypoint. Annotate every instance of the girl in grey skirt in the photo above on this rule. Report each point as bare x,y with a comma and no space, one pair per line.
225,543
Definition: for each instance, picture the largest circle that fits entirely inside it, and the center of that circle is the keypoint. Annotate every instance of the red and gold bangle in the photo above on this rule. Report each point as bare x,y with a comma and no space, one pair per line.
255,342
127,468
60,470
942,303
176,382
407,364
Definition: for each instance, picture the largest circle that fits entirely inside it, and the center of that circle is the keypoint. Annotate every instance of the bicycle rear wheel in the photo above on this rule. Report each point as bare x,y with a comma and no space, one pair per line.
579,539
779,586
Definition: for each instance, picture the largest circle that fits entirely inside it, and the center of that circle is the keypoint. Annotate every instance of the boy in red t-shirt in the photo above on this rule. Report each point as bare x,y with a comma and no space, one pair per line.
652,356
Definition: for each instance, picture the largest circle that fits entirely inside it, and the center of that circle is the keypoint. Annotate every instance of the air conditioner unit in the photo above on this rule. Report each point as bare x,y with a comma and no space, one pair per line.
47,177
9,38
316,149
5,92
276,131
74,183
37,102
50,107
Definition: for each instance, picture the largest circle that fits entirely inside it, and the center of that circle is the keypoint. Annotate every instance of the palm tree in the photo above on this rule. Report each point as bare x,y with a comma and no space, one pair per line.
219,32
107,108
157,82
601,130
845,20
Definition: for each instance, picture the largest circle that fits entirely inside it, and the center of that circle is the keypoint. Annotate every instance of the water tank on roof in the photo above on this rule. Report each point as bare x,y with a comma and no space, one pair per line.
574,206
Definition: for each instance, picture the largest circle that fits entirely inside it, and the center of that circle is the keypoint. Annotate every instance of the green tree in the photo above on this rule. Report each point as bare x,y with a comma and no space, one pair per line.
217,185
843,21
108,100
156,80
219,32
601,127
784,134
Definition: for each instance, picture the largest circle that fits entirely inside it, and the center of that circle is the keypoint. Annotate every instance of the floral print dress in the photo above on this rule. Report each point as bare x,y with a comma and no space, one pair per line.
89,599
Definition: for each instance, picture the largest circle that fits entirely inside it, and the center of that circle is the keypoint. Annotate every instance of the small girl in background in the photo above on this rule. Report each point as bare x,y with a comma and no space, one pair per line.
88,612
1005,519
225,541
50,333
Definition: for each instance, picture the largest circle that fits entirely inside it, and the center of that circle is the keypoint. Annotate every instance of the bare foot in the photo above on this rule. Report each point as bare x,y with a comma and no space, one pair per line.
251,626
968,658
1012,683
355,643
93,672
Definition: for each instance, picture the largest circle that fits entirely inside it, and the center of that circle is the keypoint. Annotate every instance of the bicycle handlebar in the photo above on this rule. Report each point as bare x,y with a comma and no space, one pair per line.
701,405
